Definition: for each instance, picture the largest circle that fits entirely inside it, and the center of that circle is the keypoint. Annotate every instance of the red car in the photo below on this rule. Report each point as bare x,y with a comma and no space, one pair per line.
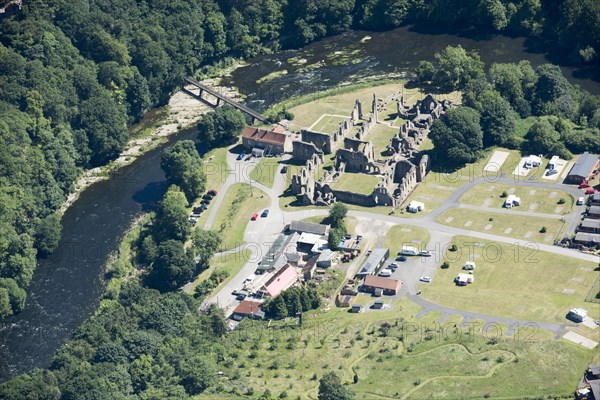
584,185
590,191
254,217
212,192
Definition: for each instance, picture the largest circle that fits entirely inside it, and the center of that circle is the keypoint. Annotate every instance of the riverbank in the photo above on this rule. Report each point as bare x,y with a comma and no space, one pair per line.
182,112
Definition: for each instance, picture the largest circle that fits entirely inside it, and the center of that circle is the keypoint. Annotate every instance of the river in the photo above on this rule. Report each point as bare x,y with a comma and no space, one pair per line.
67,287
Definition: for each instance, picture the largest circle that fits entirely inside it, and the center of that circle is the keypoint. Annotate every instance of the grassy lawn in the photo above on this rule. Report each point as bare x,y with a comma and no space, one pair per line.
380,136
356,182
341,104
394,355
234,213
216,170
515,226
400,235
509,283
232,263
532,199
265,170
328,123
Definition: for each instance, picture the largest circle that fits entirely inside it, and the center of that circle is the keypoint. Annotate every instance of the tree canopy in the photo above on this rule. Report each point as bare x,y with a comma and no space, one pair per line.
457,136
183,167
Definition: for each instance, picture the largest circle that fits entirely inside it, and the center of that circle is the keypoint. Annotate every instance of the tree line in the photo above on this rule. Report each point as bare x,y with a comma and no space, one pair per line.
562,119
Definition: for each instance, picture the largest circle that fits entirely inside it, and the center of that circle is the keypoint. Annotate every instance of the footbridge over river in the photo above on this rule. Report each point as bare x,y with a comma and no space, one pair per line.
222,98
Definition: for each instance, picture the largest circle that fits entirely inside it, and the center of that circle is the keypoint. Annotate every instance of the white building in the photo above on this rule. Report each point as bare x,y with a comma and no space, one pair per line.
512,201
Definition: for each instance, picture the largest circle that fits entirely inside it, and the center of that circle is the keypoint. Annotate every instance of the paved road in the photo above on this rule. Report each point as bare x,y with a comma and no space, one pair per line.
260,234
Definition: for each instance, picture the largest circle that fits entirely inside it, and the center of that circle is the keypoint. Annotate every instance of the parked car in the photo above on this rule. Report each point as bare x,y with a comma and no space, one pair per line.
425,253
590,191
193,220
401,258
241,156
198,209
265,213
552,172
393,266
284,169
212,192
204,206
584,185
581,201
254,217
240,297
425,278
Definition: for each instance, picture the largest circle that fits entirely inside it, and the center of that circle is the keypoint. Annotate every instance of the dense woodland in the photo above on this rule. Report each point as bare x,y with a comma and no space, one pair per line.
560,119
74,74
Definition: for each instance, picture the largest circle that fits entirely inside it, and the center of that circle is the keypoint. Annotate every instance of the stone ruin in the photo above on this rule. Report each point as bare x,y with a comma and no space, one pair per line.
399,175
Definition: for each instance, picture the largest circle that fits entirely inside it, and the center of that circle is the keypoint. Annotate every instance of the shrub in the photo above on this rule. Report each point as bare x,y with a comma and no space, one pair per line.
445,265
454,247
543,230
561,201
504,194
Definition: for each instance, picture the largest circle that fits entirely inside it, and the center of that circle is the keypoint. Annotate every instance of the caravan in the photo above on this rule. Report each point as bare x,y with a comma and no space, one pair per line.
409,251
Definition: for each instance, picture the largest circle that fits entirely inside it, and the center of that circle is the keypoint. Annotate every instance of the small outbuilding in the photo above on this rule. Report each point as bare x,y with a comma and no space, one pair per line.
250,309
583,168
386,286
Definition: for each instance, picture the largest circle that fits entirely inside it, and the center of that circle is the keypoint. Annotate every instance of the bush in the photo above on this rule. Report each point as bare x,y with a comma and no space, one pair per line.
445,265
454,247
504,194
562,201
543,230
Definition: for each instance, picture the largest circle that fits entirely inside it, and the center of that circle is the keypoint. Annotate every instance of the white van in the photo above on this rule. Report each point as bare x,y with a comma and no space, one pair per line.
409,251
386,273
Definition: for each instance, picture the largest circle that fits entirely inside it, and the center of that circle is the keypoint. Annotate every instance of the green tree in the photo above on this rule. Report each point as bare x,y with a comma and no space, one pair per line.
455,68
457,136
542,138
16,295
425,71
171,220
172,267
206,244
337,214
331,388
183,167
335,237
221,127
47,235
498,122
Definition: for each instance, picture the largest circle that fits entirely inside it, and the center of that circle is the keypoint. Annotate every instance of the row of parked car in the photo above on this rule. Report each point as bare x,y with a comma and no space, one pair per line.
198,210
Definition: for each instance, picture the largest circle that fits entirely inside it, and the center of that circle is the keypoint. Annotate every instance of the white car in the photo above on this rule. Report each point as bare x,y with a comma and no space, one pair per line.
581,201
425,278
425,253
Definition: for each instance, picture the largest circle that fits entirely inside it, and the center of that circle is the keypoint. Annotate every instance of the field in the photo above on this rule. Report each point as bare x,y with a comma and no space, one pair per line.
394,355
516,226
234,213
355,182
399,235
328,123
532,199
513,281
380,136
265,170
341,104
